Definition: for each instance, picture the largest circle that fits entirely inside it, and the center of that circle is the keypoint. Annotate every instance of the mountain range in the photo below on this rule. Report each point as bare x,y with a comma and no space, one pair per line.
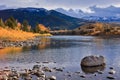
49,18
61,18
108,14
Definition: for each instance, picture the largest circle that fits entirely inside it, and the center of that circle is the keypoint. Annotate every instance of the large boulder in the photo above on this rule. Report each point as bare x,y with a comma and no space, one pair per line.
92,69
92,61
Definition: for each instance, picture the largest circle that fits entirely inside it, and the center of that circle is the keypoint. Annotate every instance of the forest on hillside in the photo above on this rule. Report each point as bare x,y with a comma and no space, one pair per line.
14,24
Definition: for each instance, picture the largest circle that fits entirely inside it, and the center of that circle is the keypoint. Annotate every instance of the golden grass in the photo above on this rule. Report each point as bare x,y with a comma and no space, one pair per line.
17,35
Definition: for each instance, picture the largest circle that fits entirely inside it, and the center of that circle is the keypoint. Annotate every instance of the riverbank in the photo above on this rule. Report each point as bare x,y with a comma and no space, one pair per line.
17,38
18,35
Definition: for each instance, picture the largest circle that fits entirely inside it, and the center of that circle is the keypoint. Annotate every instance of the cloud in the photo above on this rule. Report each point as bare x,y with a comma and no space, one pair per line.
51,4
2,7
108,11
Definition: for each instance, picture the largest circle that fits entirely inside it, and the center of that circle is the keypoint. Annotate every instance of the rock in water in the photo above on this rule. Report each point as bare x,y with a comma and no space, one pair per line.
112,72
110,77
52,78
92,61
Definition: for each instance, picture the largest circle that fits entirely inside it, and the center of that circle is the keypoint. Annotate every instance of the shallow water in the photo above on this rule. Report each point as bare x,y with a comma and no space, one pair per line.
67,52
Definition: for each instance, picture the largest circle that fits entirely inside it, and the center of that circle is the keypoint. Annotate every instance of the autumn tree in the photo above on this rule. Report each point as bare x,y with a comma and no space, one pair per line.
40,28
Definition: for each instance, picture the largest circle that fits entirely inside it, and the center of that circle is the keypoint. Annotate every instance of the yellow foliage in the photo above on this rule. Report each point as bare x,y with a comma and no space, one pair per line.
13,35
43,28
99,26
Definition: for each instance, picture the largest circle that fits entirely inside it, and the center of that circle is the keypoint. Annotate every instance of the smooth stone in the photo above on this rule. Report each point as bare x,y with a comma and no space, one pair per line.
83,76
4,77
36,67
111,68
52,78
46,69
100,72
45,62
58,69
92,70
24,74
110,77
28,78
69,75
77,72
15,78
112,72
37,62
39,74
92,61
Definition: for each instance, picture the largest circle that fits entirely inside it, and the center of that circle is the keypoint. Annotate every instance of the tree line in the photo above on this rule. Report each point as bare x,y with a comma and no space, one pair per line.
24,26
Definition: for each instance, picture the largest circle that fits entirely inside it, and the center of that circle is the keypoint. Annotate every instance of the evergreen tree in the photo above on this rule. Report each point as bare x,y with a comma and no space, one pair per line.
2,24
37,29
25,25
11,22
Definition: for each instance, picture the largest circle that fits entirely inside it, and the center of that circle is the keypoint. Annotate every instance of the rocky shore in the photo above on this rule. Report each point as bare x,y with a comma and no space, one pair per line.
41,71
30,42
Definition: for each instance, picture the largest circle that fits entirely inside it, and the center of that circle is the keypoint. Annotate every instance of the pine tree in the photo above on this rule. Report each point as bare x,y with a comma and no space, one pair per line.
25,25
2,24
37,29
11,22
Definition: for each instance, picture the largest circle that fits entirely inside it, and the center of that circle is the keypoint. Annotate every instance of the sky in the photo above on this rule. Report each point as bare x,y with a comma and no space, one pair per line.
52,4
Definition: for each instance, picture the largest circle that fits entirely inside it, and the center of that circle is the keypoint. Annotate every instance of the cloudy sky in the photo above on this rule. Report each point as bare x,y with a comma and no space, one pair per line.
52,4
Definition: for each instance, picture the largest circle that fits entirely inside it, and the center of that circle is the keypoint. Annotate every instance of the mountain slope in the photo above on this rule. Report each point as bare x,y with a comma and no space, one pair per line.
51,18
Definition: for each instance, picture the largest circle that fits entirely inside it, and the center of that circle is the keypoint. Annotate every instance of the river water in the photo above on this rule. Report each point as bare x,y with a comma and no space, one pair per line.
65,52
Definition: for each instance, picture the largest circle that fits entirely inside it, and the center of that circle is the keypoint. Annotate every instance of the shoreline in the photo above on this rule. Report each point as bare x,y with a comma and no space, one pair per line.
36,40
20,43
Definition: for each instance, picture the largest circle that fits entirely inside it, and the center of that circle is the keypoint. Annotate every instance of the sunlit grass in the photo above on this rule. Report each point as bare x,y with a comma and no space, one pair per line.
17,35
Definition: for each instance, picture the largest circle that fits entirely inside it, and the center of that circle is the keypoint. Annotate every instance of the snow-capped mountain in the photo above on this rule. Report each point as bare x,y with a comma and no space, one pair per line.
102,19
108,14
74,13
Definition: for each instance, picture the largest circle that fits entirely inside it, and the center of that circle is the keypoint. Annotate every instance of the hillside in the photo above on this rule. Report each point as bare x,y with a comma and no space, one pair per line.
51,18
98,29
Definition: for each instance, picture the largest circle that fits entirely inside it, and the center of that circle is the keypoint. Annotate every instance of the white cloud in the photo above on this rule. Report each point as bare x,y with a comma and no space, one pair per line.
50,4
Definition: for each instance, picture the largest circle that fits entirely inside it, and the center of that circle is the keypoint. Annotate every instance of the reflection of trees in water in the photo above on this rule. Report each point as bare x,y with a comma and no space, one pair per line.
50,43
9,50
92,69
45,42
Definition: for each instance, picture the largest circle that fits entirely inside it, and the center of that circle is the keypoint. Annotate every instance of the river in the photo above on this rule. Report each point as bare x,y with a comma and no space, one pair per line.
65,52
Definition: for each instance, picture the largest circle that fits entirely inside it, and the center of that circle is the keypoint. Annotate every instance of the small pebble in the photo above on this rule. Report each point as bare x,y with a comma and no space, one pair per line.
52,78
111,67
112,72
83,76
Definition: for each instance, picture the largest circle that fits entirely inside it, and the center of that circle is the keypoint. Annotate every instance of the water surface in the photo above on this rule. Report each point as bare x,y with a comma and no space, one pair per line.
67,52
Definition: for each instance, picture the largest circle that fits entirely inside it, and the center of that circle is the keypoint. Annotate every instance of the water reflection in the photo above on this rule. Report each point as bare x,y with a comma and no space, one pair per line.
92,69
10,50
66,51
